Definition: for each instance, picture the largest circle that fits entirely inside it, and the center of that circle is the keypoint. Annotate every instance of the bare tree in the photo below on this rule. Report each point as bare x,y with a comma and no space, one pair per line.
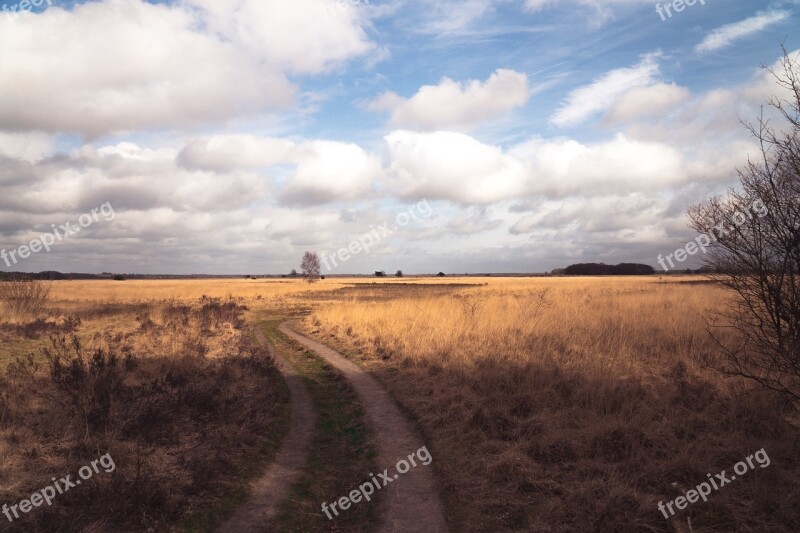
310,267
755,251
24,296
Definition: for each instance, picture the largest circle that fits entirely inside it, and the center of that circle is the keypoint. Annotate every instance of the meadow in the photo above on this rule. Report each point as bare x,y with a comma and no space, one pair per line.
550,404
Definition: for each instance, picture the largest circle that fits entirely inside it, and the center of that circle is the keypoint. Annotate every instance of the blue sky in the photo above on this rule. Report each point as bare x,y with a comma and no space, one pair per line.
231,136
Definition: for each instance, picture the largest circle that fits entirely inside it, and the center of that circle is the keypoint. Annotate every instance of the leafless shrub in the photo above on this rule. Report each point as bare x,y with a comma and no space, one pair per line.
87,382
758,258
472,307
24,296
41,327
536,304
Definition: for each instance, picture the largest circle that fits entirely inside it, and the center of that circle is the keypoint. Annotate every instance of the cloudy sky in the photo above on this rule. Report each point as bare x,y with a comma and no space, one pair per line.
230,136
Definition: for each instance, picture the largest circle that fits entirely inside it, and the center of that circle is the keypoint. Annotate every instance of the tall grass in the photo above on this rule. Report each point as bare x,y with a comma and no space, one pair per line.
571,404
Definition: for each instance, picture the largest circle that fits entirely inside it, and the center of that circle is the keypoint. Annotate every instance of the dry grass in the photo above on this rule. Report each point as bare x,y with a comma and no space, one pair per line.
572,404
550,404
180,396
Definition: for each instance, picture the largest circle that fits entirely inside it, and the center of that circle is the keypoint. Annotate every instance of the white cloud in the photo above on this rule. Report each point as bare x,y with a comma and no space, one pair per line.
584,102
567,167
314,172
538,5
601,213
603,10
641,102
456,105
473,220
227,152
300,36
725,35
330,171
764,86
456,167
25,146
447,18
125,65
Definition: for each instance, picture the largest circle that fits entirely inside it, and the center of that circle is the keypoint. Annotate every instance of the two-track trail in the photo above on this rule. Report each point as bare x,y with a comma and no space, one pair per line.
409,504
270,490
412,503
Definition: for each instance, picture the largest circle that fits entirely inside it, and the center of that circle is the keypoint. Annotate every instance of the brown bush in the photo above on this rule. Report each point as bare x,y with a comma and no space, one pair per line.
23,296
179,428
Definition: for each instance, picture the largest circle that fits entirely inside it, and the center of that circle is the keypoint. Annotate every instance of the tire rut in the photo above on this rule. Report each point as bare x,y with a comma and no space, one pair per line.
412,504
273,487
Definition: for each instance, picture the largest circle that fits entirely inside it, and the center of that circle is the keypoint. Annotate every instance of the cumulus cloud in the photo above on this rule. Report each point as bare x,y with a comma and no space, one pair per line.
457,167
213,154
641,102
329,171
764,86
173,218
320,171
724,36
202,63
226,152
602,213
568,167
25,146
454,166
456,105
268,31
584,102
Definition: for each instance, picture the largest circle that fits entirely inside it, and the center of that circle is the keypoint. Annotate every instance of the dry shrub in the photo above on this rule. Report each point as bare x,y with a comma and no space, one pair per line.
179,428
23,296
41,327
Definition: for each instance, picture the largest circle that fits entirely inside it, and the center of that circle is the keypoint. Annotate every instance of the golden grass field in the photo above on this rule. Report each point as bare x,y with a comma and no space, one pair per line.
550,404
571,404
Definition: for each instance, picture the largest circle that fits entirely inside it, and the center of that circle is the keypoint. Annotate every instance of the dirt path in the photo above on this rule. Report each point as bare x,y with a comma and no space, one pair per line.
274,485
412,502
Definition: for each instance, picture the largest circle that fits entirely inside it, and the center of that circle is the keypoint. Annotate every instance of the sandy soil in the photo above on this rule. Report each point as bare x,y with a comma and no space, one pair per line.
274,485
412,502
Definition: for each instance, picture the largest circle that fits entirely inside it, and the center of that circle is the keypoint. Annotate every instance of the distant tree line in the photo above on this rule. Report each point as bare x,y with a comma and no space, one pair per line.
49,275
601,269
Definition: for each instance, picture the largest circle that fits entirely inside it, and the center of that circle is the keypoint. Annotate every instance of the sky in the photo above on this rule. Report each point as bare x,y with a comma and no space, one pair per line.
231,136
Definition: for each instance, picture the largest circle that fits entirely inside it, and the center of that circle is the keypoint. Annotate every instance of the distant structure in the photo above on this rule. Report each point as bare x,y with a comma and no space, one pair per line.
380,274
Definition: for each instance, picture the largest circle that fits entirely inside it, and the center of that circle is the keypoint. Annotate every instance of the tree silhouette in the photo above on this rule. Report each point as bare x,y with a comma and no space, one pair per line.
755,251
310,266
